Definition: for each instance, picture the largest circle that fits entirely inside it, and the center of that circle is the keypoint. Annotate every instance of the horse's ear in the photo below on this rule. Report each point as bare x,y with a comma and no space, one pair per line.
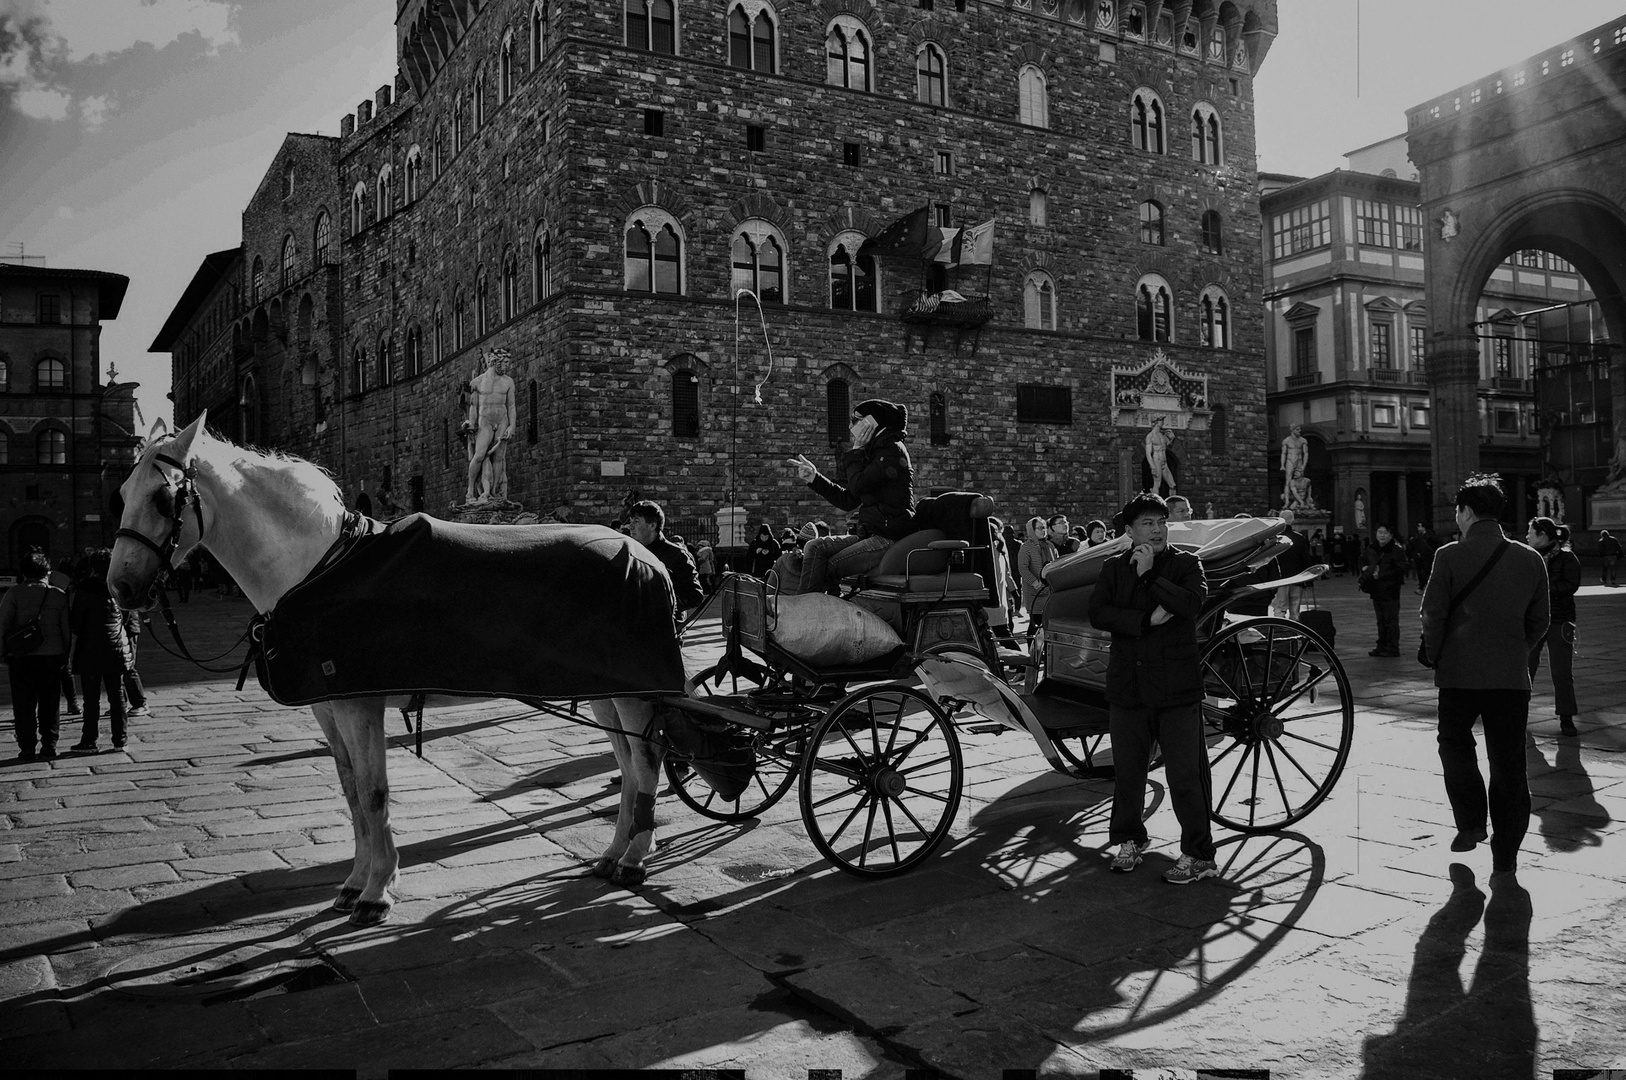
160,430
182,447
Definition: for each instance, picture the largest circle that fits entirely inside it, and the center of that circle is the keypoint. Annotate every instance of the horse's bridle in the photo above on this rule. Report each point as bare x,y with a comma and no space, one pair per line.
185,490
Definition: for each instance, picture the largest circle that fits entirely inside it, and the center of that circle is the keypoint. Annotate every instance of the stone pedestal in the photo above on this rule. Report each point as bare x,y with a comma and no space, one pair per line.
1607,511
491,513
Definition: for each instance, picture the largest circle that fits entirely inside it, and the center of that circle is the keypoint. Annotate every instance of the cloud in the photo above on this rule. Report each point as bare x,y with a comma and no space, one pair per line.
45,43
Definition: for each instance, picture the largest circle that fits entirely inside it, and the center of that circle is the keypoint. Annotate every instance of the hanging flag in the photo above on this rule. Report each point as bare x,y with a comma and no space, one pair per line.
947,243
974,246
907,238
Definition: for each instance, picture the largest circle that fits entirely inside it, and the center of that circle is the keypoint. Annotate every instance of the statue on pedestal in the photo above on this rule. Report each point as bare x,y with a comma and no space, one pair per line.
1295,457
490,423
1157,454
1615,482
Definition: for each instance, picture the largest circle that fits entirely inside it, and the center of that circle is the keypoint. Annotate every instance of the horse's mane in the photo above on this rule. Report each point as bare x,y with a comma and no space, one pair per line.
227,458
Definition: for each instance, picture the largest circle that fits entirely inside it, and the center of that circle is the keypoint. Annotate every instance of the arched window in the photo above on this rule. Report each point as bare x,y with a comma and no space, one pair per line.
1038,207
837,415
1214,309
479,100
482,298
539,30
848,54
541,270
854,278
414,174
1154,309
937,406
1205,134
685,403
652,25
5,377
384,365
51,447
324,238
1035,97
1213,232
1146,121
510,284
5,448
753,37
386,197
654,253
358,207
414,351
358,371
457,123
288,251
931,75
439,332
257,280
1039,302
460,318
1151,223
50,374
505,68
758,260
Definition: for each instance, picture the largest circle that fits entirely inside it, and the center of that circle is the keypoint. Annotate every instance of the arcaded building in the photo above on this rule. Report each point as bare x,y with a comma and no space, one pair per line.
590,185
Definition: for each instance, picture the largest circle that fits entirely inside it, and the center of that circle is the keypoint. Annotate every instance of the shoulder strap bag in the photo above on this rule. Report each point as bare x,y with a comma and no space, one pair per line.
30,635
1422,647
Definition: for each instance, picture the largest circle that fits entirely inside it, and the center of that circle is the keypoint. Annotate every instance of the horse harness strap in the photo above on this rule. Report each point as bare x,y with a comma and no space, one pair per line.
184,491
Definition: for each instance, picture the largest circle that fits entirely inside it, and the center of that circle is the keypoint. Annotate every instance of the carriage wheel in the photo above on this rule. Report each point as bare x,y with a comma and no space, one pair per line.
1278,717
778,753
1086,753
881,780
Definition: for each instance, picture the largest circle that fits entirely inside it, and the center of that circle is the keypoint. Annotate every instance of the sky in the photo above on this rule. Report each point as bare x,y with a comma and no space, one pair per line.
133,132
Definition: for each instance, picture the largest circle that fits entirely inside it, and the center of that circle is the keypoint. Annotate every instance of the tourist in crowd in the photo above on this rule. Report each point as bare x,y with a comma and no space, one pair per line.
647,522
1095,533
1289,599
764,550
1420,551
1479,640
103,653
1551,540
62,578
1609,552
1038,551
36,671
1179,508
1061,535
1382,576
1013,550
705,564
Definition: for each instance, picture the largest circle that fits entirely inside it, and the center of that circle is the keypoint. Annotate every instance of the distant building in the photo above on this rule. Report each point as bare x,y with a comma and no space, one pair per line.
590,185
1346,339
66,439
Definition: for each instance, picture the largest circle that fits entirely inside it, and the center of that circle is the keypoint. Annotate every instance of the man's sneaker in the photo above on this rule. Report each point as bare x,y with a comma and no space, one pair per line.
1188,870
139,710
1128,857
84,748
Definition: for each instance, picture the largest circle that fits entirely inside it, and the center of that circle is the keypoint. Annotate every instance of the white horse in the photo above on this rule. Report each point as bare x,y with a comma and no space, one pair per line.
269,519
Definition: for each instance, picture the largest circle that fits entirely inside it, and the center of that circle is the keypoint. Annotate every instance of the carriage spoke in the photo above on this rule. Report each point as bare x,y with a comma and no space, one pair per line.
869,831
828,799
923,765
1223,754
1299,691
928,795
1313,742
1292,666
861,803
1253,788
1240,765
1297,717
1242,665
1276,773
913,820
891,830
1295,763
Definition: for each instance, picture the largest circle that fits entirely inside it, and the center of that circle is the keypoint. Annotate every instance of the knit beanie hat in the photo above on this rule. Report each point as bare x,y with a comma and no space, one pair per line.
807,532
888,414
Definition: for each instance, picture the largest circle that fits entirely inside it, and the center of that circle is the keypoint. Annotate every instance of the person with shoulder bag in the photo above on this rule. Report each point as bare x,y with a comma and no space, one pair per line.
1381,578
1563,581
35,635
1479,640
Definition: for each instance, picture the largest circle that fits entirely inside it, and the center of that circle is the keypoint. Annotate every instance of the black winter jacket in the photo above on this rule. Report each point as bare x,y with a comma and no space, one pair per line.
1563,578
879,485
1386,568
1151,666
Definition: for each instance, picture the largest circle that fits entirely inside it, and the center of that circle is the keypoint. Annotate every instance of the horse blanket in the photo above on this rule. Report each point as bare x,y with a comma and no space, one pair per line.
515,611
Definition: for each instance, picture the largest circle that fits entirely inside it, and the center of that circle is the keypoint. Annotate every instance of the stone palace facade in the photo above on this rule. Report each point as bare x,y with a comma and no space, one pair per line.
589,185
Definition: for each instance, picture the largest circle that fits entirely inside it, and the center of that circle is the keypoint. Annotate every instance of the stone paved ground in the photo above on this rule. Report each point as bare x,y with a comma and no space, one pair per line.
167,908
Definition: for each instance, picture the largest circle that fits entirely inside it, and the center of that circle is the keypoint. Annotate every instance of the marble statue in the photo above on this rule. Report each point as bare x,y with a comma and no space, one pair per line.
1157,454
490,422
1295,456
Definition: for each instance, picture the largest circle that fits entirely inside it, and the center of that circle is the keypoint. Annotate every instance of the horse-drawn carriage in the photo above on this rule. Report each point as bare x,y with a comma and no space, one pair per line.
880,769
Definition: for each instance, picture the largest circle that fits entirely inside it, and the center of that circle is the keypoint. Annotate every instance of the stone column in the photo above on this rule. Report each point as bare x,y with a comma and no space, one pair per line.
1453,375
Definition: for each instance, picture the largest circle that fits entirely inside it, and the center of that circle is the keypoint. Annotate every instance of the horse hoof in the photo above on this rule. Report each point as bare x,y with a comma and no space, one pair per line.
346,900
604,868
370,912
628,876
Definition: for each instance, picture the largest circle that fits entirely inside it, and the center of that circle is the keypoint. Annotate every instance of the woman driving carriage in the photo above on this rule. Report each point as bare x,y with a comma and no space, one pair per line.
879,485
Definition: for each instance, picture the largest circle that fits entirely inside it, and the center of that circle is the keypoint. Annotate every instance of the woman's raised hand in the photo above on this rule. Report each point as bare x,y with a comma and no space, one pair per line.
805,469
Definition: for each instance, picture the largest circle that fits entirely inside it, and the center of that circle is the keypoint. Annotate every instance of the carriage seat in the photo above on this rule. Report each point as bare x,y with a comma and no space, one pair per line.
920,563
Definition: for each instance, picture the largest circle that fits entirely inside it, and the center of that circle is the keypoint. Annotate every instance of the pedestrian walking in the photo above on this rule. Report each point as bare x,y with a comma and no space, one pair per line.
1485,609
135,692
1381,578
35,632
1420,551
762,552
647,524
62,578
1289,599
102,654
1148,598
705,564
1609,552
1551,540
1037,552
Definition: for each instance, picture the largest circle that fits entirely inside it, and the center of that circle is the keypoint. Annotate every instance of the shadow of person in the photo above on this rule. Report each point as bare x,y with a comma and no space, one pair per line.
1493,1014
1577,819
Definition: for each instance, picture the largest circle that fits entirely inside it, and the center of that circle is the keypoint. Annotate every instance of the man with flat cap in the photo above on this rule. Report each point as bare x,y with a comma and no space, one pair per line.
878,483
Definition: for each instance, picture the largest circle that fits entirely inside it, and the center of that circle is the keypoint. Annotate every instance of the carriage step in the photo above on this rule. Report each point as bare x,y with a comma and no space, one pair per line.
987,729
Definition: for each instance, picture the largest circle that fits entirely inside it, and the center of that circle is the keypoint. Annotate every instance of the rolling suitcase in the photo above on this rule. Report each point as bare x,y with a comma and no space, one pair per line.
1319,620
